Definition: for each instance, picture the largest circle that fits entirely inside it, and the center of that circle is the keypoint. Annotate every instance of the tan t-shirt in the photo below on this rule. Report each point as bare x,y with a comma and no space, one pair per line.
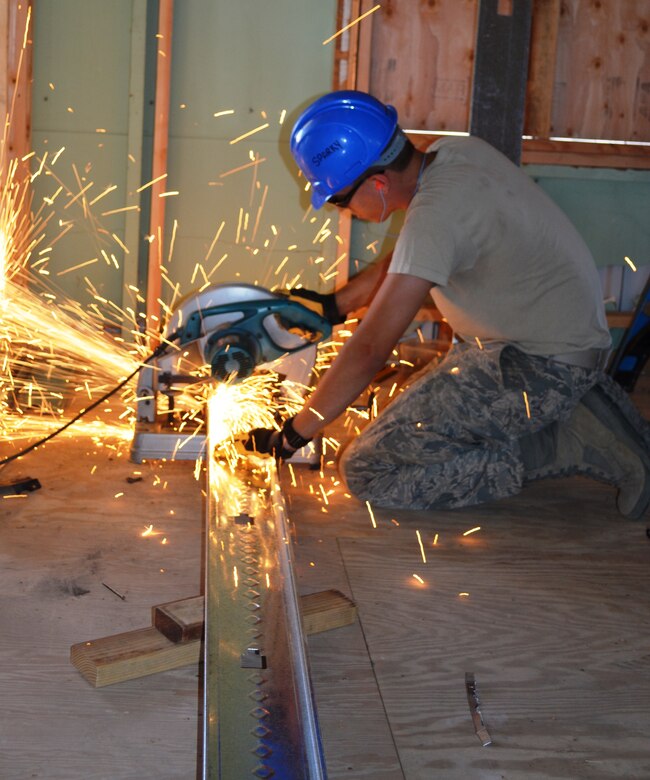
508,264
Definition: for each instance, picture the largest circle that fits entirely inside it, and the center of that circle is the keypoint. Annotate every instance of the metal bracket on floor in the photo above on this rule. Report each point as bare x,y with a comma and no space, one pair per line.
19,486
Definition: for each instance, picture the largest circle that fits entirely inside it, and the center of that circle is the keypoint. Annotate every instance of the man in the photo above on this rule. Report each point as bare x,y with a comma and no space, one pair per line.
523,395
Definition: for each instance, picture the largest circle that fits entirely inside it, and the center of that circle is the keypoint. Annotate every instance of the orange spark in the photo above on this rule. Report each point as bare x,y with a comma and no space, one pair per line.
256,161
249,133
352,23
152,182
424,557
372,516
630,263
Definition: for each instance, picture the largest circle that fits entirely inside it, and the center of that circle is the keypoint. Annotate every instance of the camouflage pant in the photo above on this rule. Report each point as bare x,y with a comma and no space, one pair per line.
451,439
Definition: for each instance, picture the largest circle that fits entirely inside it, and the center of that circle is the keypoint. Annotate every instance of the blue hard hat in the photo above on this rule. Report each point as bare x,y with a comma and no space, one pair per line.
340,137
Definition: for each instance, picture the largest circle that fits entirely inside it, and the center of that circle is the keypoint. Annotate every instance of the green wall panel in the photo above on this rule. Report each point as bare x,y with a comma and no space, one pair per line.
610,208
256,58
80,99
262,62
81,48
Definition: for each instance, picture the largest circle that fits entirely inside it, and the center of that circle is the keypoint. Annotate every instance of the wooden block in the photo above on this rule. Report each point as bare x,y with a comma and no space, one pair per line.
133,654
326,610
174,639
179,621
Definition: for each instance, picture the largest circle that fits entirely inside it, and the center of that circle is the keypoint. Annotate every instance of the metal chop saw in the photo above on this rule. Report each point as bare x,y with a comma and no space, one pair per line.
224,332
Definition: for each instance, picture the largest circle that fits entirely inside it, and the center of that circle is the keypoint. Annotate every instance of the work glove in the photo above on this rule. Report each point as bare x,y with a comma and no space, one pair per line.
281,444
322,303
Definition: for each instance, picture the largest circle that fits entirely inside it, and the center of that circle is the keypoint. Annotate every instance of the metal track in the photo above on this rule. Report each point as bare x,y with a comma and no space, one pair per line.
259,715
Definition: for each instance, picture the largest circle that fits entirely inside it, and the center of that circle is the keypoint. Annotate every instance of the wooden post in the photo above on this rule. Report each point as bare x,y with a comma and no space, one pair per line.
541,75
15,115
159,167
132,221
356,76
19,79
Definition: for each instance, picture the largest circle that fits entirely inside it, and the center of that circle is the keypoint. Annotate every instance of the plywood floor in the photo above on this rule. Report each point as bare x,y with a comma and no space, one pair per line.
555,625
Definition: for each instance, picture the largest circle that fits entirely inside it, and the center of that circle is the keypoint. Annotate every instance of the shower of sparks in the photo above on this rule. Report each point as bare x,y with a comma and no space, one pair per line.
418,578
234,409
55,354
351,24
527,404
472,530
630,263
58,355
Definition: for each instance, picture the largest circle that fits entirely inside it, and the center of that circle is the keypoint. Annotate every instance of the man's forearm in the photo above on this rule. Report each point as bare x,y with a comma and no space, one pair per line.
339,386
365,353
361,289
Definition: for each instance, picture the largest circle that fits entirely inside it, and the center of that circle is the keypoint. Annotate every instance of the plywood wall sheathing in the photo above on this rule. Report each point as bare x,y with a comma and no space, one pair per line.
589,74
602,76
422,61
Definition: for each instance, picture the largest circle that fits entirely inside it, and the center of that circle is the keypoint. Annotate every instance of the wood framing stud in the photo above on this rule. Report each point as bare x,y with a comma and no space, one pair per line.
541,77
159,163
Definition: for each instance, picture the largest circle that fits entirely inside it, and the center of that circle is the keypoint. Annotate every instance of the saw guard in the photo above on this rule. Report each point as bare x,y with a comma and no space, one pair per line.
234,329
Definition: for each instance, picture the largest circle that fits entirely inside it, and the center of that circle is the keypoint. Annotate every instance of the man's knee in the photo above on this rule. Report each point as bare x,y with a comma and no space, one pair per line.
345,463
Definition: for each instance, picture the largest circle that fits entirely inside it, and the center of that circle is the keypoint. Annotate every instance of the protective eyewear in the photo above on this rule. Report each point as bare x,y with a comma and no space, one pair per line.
343,201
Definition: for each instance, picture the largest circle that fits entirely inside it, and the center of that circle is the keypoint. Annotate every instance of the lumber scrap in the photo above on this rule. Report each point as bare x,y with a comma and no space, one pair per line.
174,638
326,610
130,655
180,621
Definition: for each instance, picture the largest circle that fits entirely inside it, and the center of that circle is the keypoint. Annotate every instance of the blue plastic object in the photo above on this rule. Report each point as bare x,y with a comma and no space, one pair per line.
633,351
340,137
234,350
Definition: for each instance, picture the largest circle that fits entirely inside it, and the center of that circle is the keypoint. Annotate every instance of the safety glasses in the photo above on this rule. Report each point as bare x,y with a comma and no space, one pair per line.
343,201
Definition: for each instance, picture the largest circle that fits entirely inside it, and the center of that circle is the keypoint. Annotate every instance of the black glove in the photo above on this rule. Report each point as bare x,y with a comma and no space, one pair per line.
281,444
325,304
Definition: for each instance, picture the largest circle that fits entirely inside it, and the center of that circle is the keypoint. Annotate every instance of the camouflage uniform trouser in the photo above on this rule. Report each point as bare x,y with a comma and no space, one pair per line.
451,439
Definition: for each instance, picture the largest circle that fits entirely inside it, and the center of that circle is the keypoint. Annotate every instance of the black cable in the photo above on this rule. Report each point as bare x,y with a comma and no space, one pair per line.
83,412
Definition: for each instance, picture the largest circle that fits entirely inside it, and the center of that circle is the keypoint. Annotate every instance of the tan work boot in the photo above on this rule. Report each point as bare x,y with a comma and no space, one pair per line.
588,445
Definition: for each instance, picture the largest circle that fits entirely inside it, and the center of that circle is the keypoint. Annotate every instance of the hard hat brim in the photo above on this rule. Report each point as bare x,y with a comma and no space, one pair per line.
318,200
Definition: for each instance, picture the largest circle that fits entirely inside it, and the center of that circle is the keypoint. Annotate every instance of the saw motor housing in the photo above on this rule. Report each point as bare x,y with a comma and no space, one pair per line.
225,333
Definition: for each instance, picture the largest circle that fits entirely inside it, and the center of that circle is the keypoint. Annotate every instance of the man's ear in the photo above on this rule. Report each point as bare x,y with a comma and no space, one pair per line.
381,182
